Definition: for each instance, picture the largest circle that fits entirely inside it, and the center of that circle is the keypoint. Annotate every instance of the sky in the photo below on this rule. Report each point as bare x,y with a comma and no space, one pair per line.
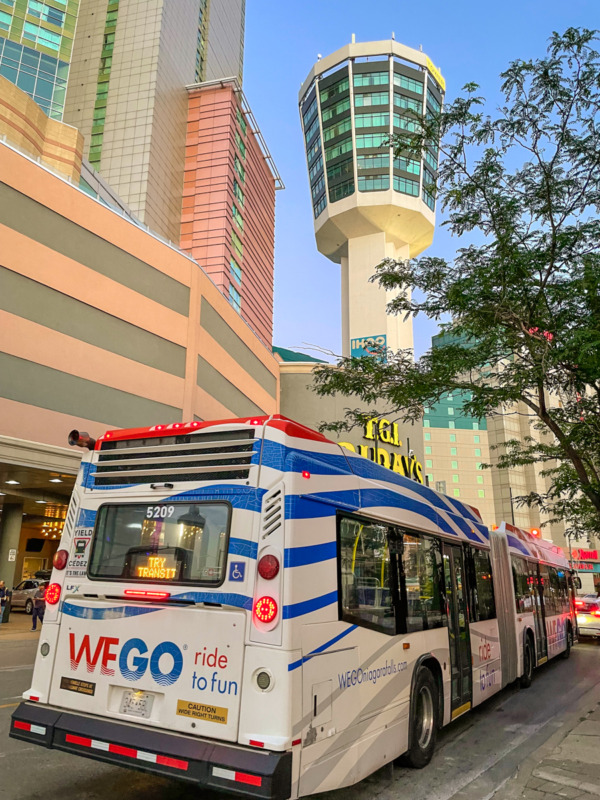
469,40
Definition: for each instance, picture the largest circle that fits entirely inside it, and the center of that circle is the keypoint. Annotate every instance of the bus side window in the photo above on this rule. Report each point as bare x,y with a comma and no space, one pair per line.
486,606
547,590
367,598
422,568
523,591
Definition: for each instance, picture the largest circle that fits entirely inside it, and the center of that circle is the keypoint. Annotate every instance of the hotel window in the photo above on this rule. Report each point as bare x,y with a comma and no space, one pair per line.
478,465
372,120
316,168
235,270
476,439
5,20
236,242
310,112
453,451
427,437
338,108
373,184
428,450
237,191
477,451
373,162
336,88
237,164
455,465
452,437
408,103
372,79
318,187
46,12
338,149
408,83
240,143
455,479
481,492
408,165
43,37
237,217
406,186
406,123
426,423
480,479
241,120
341,169
371,140
457,493
320,206
314,149
433,101
429,463
430,476
372,99
450,411
475,426
451,424
431,159
235,298
341,190
336,130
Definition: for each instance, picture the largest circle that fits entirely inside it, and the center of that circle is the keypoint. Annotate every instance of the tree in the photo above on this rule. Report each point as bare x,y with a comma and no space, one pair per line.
522,295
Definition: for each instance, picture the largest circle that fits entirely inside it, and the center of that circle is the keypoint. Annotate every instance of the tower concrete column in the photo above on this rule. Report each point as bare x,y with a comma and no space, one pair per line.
10,532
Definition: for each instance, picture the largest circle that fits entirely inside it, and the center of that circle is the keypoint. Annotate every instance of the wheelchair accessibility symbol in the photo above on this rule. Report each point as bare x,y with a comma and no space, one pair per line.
237,570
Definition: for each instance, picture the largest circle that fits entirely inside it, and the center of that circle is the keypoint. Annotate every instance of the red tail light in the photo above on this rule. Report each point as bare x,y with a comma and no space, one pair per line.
60,559
268,567
144,595
265,609
52,594
578,603
596,613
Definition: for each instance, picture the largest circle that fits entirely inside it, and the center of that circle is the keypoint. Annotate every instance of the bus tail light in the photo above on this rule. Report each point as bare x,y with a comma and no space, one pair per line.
60,559
265,609
268,567
52,595
145,595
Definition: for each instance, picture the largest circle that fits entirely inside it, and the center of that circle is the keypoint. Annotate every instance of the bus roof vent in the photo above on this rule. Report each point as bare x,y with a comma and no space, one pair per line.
272,512
215,456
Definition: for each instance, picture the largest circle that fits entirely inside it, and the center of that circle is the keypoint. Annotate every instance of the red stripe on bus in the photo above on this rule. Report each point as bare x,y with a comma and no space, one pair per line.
253,780
80,740
172,762
122,751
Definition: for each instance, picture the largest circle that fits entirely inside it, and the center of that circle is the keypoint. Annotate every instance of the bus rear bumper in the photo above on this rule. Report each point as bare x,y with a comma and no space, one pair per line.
203,762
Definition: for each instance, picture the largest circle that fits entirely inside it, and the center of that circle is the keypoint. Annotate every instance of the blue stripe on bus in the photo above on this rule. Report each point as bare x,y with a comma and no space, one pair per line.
518,545
295,664
246,499
311,554
306,606
242,547
86,518
291,459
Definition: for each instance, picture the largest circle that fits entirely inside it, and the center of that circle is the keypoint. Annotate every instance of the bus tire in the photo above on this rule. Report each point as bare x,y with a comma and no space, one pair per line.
423,720
567,652
527,675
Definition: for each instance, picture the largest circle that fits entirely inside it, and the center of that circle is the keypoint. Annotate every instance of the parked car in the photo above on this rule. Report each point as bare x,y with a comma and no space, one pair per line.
588,615
22,594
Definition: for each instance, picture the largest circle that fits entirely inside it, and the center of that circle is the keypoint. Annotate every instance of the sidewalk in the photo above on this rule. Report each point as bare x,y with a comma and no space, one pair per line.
567,765
18,628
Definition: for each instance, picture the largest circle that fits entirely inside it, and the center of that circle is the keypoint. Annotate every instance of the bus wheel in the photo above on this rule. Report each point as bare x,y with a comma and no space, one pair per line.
423,720
527,675
566,653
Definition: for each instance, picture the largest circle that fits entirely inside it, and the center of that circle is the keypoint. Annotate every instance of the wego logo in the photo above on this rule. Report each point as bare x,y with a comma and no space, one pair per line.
165,661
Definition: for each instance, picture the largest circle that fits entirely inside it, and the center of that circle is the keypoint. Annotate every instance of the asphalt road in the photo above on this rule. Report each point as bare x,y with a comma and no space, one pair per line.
475,755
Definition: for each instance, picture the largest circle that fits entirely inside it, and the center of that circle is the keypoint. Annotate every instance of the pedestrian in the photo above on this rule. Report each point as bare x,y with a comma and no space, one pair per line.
39,605
2,599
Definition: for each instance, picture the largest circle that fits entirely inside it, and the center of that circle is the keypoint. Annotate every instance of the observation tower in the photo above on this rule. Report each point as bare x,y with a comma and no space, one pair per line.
367,204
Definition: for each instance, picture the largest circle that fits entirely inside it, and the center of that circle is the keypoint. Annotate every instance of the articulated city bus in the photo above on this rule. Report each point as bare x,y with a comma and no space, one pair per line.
246,605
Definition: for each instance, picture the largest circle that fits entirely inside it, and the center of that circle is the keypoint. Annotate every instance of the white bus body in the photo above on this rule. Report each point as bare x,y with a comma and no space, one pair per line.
383,611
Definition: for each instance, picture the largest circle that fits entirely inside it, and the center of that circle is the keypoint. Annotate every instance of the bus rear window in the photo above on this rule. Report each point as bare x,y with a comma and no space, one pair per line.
161,543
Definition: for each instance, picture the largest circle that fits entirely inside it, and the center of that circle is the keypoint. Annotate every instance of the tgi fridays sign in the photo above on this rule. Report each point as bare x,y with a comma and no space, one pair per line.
379,437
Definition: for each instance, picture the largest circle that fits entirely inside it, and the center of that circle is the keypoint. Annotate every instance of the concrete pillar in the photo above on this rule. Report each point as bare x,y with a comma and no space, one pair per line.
10,532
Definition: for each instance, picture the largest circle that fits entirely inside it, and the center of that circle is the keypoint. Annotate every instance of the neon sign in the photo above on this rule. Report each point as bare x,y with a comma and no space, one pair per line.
157,567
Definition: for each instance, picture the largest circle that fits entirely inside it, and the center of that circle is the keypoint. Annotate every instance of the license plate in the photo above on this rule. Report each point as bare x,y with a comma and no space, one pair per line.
137,704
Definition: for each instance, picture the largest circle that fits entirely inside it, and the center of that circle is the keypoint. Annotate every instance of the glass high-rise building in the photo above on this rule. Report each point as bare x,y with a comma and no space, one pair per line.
132,61
36,43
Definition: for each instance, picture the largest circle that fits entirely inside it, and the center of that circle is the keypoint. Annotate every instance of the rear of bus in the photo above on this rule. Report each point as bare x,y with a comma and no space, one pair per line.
164,603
